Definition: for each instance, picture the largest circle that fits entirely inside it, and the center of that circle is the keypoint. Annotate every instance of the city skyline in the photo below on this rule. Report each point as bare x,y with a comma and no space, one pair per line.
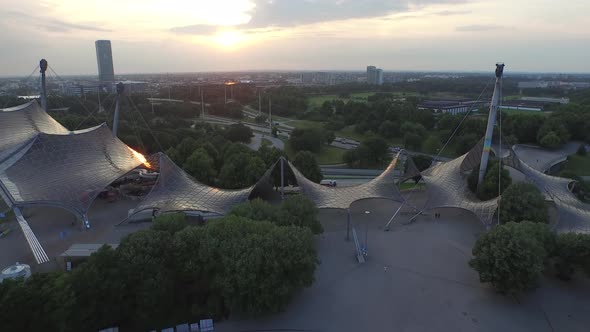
241,35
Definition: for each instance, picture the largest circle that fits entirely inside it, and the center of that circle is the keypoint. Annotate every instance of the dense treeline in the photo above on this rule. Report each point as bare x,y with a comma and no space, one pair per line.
174,273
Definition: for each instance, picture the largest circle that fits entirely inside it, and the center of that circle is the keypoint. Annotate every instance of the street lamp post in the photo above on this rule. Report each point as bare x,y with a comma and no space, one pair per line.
367,233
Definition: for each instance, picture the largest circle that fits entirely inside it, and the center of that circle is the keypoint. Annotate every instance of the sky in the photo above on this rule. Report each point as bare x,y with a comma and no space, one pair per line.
154,36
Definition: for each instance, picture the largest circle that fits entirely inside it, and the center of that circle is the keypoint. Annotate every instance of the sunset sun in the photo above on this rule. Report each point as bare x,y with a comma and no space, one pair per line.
228,39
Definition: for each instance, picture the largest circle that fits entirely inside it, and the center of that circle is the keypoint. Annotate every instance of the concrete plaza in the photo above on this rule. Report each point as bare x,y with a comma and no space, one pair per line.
416,278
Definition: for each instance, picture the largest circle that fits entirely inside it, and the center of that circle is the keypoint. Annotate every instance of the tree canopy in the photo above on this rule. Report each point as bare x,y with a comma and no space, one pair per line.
511,256
523,201
166,275
308,166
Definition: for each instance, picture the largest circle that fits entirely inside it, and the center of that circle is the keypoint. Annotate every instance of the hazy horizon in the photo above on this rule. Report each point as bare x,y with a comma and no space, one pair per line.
176,36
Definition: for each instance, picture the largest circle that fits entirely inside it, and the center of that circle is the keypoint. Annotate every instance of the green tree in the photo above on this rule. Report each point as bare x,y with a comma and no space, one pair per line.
307,164
412,141
422,161
101,291
572,254
200,166
257,209
306,139
389,129
185,149
241,170
432,144
523,201
552,133
299,211
510,258
294,211
147,260
489,188
550,140
260,119
40,303
170,222
256,266
238,132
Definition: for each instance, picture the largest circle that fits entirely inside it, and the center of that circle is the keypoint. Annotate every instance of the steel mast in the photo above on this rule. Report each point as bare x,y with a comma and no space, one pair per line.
487,145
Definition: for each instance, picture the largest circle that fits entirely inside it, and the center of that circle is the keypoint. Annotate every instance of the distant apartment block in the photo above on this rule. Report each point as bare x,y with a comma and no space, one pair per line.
317,78
450,106
134,87
553,84
522,105
79,89
104,58
374,75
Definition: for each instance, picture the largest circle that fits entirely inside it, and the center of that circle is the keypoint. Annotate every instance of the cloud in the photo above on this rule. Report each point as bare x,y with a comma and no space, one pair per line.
197,29
452,12
60,26
278,14
49,24
479,27
287,13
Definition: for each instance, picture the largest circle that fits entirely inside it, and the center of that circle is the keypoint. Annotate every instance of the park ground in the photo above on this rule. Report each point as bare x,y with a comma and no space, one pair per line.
416,277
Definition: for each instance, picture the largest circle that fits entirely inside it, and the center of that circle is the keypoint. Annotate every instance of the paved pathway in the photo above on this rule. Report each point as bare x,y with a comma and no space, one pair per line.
542,159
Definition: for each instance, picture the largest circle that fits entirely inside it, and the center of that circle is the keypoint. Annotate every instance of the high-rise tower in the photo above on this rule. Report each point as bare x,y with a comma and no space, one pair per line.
104,58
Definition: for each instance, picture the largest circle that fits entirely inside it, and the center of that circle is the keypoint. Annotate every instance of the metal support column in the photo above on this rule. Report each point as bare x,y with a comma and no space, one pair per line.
487,146
282,180
393,217
348,225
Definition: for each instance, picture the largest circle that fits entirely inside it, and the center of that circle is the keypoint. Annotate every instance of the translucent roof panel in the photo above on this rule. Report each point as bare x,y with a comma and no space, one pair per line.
446,186
66,170
383,186
20,124
574,215
175,190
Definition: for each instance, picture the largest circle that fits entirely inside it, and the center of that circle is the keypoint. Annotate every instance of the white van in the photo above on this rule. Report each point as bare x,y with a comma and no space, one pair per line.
328,183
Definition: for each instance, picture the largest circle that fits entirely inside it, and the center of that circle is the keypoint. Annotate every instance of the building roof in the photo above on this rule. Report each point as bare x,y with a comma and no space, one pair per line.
42,163
85,249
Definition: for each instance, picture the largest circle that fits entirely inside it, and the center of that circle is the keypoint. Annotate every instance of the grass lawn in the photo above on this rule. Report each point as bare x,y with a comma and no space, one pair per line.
348,132
579,165
328,155
265,142
306,124
318,100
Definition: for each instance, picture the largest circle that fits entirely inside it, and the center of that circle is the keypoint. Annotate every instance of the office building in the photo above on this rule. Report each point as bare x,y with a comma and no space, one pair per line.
374,75
104,58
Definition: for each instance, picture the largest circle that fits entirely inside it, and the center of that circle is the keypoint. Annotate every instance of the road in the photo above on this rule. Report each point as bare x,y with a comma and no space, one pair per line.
256,141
